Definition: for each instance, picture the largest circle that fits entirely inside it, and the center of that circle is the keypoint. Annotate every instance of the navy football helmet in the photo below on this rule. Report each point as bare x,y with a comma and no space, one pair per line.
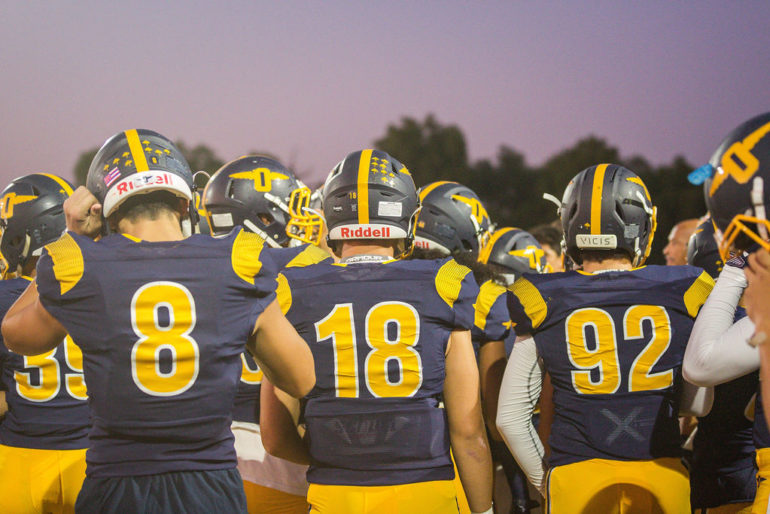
452,219
31,216
514,252
607,207
252,191
370,195
736,195
702,249
140,161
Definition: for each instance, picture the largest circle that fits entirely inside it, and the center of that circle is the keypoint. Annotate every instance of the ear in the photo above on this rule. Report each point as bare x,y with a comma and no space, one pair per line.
183,208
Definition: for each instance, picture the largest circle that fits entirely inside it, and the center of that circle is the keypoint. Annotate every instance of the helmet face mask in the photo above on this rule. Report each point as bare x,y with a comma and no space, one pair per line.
370,195
737,194
31,216
607,208
136,162
306,223
253,191
452,219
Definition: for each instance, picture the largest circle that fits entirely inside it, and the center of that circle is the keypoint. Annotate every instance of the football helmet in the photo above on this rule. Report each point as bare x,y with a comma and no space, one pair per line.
736,194
370,195
515,251
31,216
252,191
452,219
607,207
307,222
140,161
702,249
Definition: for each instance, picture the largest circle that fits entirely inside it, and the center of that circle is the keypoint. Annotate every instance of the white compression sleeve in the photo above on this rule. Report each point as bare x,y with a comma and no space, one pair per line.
519,393
717,351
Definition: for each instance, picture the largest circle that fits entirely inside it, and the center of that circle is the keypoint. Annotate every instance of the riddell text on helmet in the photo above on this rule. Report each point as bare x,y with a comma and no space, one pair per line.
143,180
365,233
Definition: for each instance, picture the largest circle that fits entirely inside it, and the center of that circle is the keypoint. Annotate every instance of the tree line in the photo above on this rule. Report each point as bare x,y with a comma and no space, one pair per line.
510,188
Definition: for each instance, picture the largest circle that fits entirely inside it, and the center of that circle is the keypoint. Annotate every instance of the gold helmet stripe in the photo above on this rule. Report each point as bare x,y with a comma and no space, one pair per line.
137,152
63,183
596,199
486,251
363,186
430,187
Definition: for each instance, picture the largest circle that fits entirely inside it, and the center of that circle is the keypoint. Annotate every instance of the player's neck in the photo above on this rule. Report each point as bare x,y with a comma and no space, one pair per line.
163,228
606,264
351,248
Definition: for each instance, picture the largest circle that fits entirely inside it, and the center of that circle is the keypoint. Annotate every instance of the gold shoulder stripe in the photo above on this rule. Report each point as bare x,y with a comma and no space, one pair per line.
283,293
449,279
247,248
697,293
489,292
310,255
534,306
67,260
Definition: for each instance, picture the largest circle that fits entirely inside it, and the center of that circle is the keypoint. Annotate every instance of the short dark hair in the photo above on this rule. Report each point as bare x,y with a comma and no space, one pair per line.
149,206
549,235
604,255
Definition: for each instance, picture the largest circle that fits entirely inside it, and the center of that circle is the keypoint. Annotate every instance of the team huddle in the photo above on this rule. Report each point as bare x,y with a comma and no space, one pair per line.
371,347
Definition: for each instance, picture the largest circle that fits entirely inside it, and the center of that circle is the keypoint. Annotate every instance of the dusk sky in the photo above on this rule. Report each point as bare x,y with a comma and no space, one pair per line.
312,81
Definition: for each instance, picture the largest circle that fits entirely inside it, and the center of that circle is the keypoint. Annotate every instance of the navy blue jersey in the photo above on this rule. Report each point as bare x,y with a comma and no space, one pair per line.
613,343
247,399
491,321
378,333
46,394
162,326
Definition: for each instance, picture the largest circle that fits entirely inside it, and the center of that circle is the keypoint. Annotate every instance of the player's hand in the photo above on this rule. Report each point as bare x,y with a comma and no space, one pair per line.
83,213
757,295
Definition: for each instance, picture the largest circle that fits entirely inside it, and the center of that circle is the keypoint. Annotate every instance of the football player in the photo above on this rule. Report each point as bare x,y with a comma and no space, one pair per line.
44,435
611,336
737,199
722,472
511,252
550,238
453,221
389,337
161,341
254,191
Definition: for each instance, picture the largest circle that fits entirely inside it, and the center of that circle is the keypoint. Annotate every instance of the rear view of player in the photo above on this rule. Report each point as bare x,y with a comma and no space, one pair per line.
722,473
44,435
612,337
173,315
389,338
253,192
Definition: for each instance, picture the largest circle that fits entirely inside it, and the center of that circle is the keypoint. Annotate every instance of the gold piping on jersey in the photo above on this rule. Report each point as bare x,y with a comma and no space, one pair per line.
66,187
247,248
68,262
697,293
310,255
489,292
596,199
363,187
137,152
530,298
449,280
283,293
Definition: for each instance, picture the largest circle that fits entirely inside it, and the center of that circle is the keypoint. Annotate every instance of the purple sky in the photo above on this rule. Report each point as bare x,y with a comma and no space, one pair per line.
311,81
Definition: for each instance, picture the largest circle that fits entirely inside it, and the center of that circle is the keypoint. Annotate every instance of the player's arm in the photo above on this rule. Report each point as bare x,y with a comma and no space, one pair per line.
492,361
278,416
28,328
281,353
466,423
520,390
717,351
